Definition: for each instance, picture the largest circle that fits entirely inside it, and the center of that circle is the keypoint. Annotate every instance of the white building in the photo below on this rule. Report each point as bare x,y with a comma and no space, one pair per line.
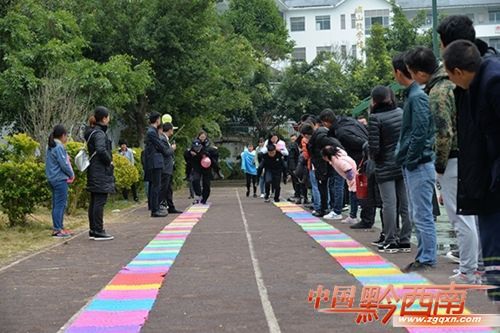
343,25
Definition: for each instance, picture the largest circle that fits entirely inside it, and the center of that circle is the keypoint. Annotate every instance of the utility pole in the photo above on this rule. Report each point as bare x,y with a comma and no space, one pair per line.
435,41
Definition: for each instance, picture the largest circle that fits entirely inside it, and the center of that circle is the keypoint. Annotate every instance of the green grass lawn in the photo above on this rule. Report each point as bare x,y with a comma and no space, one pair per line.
20,241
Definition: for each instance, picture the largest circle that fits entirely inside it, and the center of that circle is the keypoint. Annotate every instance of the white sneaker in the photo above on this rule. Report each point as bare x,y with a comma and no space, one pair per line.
262,196
332,216
349,220
462,278
453,256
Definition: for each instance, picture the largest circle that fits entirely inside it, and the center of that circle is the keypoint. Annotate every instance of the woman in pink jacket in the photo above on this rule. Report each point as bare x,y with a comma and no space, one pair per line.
343,164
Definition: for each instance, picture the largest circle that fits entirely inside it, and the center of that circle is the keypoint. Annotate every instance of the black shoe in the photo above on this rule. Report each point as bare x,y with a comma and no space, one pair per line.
389,248
174,211
203,202
102,236
305,201
255,195
91,234
248,193
276,200
360,225
159,213
417,267
319,214
266,199
405,248
380,240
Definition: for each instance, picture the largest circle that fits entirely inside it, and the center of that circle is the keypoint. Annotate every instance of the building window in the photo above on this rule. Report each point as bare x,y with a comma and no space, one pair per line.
297,23
323,49
372,17
342,22
299,54
354,51
343,51
353,21
495,42
495,16
323,22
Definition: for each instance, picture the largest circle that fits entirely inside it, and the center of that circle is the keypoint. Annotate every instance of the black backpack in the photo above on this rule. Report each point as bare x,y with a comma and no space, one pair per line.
351,133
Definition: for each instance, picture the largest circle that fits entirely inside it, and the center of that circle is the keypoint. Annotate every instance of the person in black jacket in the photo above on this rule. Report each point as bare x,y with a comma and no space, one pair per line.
293,159
384,127
353,136
199,175
100,173
319,139
155,152
479,146
166,194
273,163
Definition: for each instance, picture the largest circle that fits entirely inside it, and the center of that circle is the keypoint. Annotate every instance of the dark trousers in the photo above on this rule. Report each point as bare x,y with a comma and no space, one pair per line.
273,180
167,193
489,230
323,192
253,180
154,190
296,185
201,185
134,192
96,211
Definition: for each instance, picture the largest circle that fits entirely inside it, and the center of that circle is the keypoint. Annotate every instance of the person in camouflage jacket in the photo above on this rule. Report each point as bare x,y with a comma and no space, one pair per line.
425,70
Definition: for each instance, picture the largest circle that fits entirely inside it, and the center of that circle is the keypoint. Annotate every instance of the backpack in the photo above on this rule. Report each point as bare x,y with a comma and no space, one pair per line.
351,133
82,160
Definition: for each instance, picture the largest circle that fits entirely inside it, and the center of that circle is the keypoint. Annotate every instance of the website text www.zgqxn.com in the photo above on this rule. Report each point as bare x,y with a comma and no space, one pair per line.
446,320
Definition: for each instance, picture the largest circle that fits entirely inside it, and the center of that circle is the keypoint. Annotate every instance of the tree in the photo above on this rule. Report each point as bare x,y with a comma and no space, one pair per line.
260,22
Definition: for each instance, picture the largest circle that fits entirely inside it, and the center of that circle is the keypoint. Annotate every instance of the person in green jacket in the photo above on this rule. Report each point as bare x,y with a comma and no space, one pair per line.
414,153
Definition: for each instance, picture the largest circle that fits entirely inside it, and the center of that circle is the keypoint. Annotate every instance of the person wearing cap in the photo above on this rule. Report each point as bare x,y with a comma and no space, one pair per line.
199,175
155,152
166,195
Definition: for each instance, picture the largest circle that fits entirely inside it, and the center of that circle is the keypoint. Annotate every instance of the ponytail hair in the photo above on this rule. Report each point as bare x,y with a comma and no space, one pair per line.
329,151
56,133
92,121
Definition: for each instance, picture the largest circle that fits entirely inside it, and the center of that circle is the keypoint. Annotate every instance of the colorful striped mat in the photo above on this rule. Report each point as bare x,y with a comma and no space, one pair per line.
366,266
124,304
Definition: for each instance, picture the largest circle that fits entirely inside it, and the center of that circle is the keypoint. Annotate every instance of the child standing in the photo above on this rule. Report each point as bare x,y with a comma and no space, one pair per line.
59,174
274,165
249,166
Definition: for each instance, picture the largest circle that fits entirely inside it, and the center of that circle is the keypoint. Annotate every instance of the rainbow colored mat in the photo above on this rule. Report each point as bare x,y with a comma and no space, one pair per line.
124,304
366,266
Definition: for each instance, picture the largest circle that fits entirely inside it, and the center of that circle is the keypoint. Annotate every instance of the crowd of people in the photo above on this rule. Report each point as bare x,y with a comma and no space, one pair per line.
443,133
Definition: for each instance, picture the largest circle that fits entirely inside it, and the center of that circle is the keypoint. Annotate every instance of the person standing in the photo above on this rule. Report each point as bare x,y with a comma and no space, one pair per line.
415,154
100,173
59,174
155,152
384,126
167,193
293,161
125,151
249,167
260,154
479,147
424,69
200,170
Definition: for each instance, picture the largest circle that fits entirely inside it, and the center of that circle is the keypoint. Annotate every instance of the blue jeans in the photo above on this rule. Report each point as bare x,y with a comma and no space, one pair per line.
59,200
316,197
336,187
262,185
489,229
420,188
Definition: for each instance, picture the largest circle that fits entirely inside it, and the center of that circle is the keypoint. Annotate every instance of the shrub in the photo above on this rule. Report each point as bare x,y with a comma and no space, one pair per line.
125,173
22,179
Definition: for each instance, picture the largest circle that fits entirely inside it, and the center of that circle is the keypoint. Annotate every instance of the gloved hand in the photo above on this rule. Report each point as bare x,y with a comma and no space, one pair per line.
350,175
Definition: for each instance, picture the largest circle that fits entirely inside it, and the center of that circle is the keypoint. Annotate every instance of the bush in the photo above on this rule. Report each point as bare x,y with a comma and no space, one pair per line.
125,173
23,180
224,153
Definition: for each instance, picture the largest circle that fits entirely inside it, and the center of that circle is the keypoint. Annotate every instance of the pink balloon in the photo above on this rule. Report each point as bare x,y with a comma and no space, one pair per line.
206,162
